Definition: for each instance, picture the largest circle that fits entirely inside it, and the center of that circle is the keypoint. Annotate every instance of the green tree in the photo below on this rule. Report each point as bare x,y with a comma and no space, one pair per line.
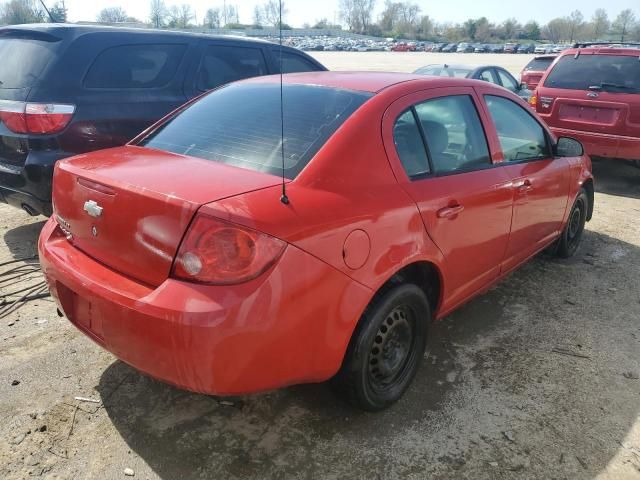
532,30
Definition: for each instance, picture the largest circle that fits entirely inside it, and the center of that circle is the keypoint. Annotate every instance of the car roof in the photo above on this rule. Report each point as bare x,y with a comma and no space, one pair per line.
372,82
604,49
66,30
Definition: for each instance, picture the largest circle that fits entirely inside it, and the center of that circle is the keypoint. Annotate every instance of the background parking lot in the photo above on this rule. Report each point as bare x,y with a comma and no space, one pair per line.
538,378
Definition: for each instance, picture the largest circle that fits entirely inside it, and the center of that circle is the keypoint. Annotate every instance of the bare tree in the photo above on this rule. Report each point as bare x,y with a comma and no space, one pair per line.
575,22
599,23
21,11
357,14
112,15
212,18
271,12
623,23
258,16
180,16
556,30
158,13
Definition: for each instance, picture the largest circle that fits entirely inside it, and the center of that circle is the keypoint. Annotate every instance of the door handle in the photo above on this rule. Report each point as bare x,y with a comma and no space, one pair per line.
450,212
525,186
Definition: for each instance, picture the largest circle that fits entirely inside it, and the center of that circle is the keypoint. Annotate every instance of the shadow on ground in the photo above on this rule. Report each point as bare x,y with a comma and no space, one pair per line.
23,240
616,177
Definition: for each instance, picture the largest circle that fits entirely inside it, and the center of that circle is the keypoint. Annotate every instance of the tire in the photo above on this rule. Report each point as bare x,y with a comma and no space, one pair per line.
572,234
386,349
636,163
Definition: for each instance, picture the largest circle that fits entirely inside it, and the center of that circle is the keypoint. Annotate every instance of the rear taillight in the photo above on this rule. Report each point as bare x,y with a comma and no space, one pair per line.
221,253
39,118
533,100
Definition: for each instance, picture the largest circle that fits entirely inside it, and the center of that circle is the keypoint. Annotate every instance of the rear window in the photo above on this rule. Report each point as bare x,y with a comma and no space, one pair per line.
240,125
292,63
612,73
23,61
440,71
135,66
539,64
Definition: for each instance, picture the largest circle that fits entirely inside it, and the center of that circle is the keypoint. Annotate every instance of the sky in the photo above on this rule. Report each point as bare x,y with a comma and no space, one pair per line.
309,11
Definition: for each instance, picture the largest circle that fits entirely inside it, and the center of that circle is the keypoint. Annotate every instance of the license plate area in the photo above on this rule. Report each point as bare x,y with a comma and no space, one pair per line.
80,312
582,113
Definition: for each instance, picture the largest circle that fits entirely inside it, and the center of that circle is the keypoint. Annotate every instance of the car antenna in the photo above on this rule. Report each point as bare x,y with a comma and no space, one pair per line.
283,198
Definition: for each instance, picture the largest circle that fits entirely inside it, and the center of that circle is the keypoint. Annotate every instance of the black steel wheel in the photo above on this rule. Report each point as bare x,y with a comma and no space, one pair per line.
573,230
386,349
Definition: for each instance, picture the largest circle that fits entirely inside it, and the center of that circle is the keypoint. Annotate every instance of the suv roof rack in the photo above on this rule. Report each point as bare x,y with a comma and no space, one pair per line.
617,44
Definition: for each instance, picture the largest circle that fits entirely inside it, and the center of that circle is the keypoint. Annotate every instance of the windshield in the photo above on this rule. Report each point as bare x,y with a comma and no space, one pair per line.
613,73
441,71
22,61
539,64
240,125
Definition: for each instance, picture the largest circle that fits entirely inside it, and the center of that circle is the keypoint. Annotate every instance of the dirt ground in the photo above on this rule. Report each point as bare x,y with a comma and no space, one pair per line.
538,378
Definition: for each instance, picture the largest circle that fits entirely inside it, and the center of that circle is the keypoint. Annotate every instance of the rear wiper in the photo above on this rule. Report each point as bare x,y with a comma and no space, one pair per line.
604,85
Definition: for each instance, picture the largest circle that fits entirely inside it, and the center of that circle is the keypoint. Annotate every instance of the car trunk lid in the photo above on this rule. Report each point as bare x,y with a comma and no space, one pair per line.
129,207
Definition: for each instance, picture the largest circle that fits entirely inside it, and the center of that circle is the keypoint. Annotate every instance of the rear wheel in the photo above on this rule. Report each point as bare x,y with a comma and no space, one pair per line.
386,349
573,230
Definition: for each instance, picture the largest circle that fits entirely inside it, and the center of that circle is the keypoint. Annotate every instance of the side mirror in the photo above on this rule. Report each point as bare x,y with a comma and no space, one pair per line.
523,86
568,147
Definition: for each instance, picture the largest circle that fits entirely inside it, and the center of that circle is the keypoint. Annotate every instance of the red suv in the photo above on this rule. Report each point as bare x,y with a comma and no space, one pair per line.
534,70
592,92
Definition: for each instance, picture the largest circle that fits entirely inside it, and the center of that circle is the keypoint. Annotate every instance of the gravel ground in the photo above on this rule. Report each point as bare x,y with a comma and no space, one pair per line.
538,378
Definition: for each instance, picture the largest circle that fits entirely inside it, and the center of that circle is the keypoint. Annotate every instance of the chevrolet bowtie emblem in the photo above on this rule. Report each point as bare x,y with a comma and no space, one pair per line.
92,208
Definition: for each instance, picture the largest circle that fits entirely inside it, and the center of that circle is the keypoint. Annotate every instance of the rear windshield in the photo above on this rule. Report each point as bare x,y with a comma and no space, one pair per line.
539,64
22,61
611,73
240,125
439,71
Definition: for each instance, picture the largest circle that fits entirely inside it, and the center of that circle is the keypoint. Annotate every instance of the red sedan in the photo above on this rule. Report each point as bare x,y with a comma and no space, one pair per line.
406,196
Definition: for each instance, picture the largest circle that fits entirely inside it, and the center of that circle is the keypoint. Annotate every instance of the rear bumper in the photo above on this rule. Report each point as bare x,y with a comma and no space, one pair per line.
291,325
603,145
30,184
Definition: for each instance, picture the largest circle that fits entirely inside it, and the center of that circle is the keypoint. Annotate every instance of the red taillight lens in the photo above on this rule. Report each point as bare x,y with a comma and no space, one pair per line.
39,118
221,253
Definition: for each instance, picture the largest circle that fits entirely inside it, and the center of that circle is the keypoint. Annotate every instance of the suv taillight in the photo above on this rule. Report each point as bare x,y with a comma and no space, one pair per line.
39,118
221,253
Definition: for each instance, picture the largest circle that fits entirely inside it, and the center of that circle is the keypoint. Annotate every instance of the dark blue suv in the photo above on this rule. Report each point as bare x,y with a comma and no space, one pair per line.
69,89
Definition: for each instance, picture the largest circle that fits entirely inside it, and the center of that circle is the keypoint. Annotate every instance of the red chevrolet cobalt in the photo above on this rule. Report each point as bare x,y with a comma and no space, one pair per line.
405,196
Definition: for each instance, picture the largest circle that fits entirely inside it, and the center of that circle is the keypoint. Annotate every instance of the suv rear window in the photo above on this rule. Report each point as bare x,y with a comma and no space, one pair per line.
135,66
539,64
611,73
22,61
240,125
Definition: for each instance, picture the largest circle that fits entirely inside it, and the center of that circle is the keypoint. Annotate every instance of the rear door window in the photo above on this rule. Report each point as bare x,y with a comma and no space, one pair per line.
23,61
240,125
611,73
292,63
225,64
410,146
135,66
521,137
